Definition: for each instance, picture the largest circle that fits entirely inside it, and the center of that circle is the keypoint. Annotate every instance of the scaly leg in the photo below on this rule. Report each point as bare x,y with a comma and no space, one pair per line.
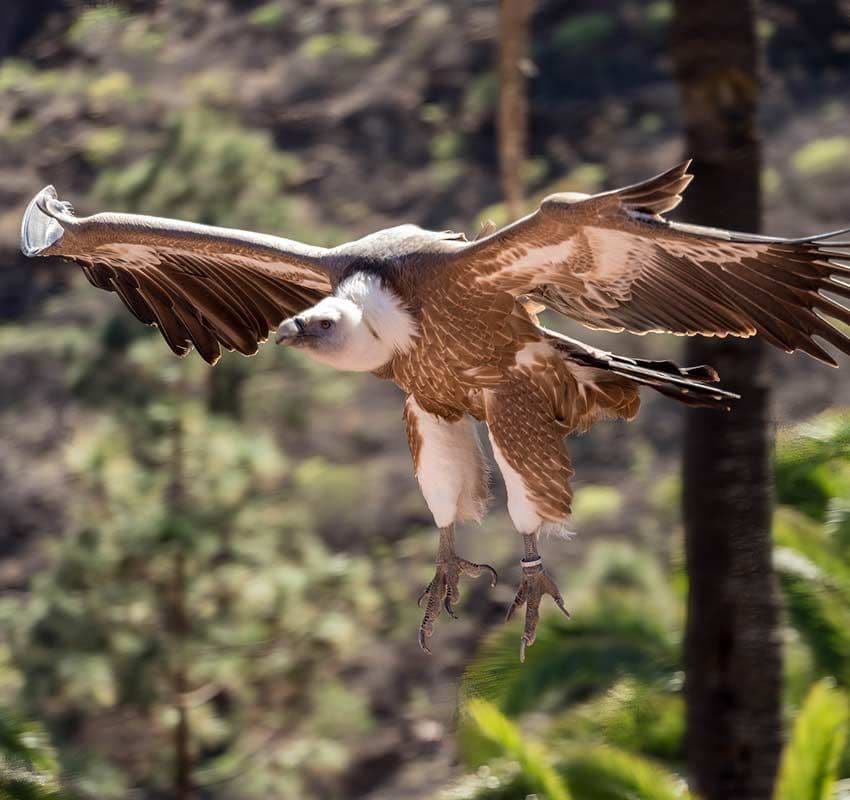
535,582
443,589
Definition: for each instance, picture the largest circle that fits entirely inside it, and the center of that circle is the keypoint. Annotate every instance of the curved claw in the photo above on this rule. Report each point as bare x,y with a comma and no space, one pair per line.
522,645
559,601
532,588
443,593
518,601
494,579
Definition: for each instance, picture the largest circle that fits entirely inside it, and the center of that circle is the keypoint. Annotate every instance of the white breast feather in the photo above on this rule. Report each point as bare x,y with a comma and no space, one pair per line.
452,471
383,310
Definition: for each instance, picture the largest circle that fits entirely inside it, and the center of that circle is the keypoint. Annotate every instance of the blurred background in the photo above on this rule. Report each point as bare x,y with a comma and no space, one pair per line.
208,577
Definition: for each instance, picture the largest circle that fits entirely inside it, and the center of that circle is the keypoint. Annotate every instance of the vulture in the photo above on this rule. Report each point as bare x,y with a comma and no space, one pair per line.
454,324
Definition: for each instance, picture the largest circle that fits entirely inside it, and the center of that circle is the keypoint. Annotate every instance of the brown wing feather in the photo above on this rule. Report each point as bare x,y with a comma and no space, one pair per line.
610,261
202,286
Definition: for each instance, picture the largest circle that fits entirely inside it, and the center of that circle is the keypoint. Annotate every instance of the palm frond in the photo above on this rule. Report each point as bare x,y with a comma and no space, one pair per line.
606,773
837,525
817,544
816,584
643,718
509,743
571,661
812,463
28,765
499,780
821,618
810,761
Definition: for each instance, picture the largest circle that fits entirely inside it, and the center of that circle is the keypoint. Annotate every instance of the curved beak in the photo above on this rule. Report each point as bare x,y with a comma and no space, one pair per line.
289,331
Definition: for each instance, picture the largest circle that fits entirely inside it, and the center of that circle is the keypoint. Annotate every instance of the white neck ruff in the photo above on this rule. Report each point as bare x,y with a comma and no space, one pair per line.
383,310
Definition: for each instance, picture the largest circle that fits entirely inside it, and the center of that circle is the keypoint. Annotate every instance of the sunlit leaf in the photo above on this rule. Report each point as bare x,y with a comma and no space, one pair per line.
810,760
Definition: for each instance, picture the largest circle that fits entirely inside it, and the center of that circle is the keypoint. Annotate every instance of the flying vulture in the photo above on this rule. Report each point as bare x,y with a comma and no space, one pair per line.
453,323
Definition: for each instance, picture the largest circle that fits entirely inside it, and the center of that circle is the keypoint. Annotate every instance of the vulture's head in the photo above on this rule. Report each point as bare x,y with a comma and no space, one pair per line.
359,328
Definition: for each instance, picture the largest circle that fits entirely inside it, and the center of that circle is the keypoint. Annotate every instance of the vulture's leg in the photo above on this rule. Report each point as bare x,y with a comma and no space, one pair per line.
527,432
535,583
443,590
451,471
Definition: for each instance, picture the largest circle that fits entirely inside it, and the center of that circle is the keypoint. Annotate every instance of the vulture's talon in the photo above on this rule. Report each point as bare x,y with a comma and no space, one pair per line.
443,591
534,584
422,636
494,576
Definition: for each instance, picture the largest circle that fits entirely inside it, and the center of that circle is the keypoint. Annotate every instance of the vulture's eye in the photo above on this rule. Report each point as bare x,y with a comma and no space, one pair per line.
326,324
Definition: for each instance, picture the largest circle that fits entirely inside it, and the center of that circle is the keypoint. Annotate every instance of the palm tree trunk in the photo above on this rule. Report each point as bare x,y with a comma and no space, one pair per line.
513,101
732,650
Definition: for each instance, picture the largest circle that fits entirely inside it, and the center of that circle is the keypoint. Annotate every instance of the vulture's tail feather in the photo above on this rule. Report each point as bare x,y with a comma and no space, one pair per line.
693,386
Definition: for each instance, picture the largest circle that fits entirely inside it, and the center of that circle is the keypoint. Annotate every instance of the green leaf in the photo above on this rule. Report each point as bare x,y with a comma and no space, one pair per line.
815,580
28,767
813,463
509,742
820,616
810,761
571,660
605,773
643,718
25,745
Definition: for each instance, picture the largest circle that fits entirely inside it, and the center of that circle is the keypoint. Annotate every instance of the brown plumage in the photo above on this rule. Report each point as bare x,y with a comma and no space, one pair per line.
454,324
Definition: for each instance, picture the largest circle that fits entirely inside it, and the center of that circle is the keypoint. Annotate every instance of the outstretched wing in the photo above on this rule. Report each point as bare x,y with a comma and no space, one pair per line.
202,286
612,262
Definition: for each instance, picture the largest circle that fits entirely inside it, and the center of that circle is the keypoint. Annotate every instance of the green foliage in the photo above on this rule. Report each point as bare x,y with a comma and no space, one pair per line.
13,72
28,766
268,15
349,45
823,157
813,539
600,772
592,503
587,178
810,762
267,605
606,773
499,780
813,463
139,38
584,31
99,23
659,13
243,175
771,180
508,742
102,144
446,145
639,717
615,633
480,95
106,90
569,661
816,584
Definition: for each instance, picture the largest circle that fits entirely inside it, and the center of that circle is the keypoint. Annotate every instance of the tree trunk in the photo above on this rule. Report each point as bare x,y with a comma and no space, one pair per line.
732,649
513,101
